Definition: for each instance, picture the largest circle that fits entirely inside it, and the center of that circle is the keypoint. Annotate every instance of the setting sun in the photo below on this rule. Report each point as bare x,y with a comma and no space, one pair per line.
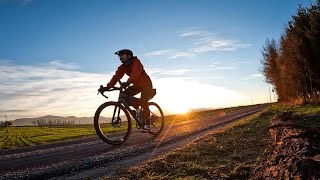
177,95
179,110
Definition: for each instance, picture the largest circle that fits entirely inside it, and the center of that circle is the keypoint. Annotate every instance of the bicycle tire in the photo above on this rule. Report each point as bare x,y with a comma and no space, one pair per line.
157,132
99,131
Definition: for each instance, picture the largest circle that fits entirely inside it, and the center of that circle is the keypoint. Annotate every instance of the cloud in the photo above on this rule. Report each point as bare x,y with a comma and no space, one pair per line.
225,68
180,54
196,33
201,78
242,62
215,66
186,73
160,73
28,91
60,65
253,76
159,52
13,110
218,45
171,53
204,41
175,72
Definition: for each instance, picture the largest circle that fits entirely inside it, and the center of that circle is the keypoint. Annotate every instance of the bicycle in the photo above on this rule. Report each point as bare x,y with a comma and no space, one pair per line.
112,120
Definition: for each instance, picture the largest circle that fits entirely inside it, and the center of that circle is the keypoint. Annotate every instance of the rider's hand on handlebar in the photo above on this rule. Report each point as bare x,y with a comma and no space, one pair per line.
103,89
100,89
125,84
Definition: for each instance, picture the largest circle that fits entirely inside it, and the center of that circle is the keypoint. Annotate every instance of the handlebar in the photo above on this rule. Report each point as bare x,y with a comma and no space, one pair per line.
111,89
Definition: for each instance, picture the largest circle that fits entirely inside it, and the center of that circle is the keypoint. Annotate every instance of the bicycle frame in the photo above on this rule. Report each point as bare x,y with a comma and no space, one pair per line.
122,101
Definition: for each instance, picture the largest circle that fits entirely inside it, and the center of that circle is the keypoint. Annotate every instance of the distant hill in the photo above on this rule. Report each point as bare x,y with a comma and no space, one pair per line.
28,121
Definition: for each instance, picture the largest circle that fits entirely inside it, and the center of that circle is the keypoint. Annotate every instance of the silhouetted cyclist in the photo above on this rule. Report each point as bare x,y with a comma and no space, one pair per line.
141,83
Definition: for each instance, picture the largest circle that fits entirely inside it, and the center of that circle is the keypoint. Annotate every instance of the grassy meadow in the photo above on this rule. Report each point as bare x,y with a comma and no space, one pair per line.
28,136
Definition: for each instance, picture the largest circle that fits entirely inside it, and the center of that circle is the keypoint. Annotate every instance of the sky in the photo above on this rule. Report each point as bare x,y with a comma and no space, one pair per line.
54,55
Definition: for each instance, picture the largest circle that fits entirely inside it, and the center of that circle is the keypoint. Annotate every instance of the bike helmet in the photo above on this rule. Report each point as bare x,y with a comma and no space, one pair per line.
124,51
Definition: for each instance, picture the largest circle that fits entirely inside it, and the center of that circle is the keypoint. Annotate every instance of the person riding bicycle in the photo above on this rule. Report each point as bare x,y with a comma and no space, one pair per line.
140,80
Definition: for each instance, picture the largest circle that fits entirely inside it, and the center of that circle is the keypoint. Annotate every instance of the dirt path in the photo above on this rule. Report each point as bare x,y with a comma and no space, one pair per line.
92,158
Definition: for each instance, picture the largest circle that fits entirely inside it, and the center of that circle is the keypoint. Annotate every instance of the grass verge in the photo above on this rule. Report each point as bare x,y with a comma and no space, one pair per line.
236,152
231,153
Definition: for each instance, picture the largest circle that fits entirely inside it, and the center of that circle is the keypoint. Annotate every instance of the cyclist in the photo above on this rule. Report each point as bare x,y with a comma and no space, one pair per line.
138,79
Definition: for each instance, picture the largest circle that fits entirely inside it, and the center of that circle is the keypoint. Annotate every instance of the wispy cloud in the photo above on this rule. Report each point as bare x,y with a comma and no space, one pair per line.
208,41
218,66
60,65
159,52
225,68
253,76
14,111
241,62
204,41
180,54
176,72
160,73
48,89
195,33
218,45
202,78
171,53
187,73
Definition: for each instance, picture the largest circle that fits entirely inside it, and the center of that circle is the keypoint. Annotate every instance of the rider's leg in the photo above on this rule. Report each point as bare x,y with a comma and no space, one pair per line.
145,97
130,92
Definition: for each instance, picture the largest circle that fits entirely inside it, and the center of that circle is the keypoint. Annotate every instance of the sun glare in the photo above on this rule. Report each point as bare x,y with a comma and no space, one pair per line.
179,110
178,96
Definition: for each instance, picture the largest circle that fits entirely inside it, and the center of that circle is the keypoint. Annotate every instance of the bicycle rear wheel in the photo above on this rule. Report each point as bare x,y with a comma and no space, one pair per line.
156,119
112,123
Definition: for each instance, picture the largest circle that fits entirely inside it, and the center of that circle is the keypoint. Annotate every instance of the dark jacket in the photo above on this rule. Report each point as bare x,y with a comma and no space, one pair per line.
137,75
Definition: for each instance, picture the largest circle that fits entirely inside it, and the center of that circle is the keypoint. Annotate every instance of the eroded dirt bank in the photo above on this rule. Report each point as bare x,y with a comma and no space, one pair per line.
294,151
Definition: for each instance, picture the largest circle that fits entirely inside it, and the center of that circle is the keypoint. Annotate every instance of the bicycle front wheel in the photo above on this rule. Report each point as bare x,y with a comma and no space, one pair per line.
156,119
112,123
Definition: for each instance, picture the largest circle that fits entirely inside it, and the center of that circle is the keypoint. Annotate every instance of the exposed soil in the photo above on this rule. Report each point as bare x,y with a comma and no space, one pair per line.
295,151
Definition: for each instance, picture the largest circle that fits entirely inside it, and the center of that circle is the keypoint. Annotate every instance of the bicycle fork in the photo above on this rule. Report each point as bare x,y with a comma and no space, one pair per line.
116,121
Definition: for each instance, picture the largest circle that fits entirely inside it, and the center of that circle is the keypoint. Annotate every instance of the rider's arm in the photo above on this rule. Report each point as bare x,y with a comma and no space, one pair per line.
118,75
136,72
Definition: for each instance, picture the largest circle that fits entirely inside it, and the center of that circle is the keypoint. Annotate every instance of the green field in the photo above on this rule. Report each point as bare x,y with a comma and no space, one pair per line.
29,136
233,153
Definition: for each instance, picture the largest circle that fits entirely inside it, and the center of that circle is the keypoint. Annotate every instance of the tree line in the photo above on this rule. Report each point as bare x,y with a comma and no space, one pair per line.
5,124
292,64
